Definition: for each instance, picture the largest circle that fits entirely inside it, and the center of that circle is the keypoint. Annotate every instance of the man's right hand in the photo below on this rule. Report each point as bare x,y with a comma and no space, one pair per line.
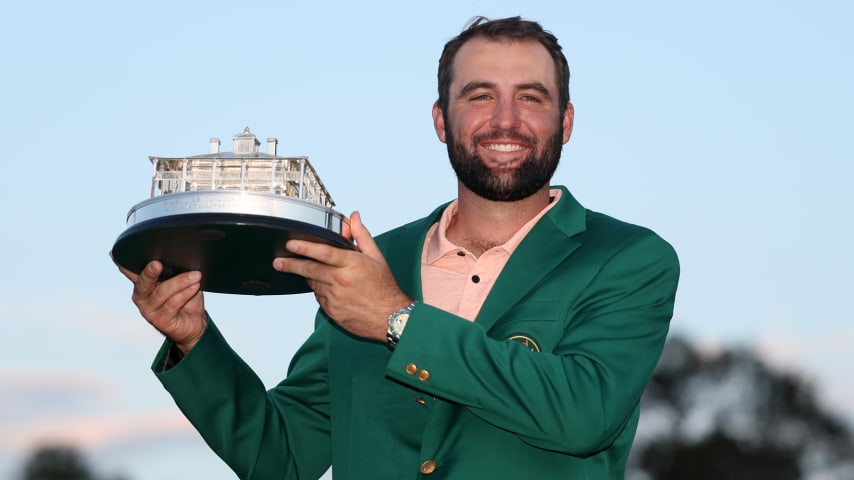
175,307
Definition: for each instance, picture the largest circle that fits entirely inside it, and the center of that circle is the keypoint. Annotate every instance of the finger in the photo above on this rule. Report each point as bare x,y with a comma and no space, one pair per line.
345,229
170,295
183,293
147,279
320,252
308,269
363,237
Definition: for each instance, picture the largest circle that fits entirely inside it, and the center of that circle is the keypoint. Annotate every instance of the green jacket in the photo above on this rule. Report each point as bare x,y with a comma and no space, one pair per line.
545,384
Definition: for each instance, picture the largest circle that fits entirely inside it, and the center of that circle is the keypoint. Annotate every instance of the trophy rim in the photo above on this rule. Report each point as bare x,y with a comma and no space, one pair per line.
238,202
230,236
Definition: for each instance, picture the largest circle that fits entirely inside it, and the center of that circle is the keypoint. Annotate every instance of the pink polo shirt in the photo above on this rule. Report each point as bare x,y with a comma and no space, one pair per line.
456,281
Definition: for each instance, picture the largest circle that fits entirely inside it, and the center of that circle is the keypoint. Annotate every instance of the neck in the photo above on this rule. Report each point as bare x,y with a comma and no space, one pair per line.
481,224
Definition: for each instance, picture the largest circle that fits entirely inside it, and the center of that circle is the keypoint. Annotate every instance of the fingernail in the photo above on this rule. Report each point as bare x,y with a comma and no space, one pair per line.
195,276
277,264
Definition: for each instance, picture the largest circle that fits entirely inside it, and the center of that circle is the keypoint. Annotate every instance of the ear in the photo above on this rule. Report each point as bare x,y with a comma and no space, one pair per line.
439,122
568,119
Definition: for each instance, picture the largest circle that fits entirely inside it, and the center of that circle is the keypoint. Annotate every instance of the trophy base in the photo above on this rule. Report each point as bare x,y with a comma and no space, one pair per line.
233,251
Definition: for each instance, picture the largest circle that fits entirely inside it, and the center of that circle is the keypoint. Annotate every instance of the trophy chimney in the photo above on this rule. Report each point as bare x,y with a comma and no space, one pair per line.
215,145
246,142
271,145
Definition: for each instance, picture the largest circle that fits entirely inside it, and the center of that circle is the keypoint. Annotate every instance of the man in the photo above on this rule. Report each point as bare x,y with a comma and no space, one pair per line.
508,334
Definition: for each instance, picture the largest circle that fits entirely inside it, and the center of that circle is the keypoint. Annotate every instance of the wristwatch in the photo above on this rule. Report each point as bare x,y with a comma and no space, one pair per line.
396,324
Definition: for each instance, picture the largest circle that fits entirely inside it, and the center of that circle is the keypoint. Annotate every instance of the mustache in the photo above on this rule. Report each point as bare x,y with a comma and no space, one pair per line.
505,135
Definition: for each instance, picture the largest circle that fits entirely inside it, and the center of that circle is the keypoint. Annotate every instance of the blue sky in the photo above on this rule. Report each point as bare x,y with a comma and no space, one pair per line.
724,126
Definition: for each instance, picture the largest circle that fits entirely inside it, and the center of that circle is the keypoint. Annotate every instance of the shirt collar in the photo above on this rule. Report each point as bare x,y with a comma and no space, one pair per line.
438,244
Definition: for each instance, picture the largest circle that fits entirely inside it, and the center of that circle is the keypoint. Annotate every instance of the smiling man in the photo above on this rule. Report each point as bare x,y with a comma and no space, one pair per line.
509,334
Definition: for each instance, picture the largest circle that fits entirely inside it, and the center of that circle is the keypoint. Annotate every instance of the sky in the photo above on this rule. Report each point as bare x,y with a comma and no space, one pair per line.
723,126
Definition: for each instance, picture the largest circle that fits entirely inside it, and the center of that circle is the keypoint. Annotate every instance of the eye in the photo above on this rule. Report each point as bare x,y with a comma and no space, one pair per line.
480,97
530,99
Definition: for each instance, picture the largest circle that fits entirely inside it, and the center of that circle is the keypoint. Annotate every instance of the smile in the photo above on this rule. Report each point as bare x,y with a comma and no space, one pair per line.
504,147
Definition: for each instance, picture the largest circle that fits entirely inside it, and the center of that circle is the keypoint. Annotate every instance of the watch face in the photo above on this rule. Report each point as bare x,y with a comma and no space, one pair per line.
399,322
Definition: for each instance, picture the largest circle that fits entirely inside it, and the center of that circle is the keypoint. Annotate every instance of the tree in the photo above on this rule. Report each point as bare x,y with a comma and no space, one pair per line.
59,462
730,416
56,462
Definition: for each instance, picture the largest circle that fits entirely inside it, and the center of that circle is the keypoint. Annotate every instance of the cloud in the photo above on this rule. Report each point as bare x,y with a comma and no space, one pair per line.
26,395
78,313
96,431
76,407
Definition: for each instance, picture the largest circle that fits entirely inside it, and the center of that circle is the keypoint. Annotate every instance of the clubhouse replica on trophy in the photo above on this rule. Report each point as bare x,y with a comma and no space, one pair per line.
228,214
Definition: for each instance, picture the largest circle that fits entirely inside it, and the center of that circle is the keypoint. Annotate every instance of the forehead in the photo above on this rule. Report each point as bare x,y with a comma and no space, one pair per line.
499,61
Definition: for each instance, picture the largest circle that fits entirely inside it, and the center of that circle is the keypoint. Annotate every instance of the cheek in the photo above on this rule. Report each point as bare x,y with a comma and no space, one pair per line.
469,120
544,128
540,123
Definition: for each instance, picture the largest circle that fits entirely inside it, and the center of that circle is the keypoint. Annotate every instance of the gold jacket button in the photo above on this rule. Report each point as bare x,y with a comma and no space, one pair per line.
423,375
428,467
411,368
420,401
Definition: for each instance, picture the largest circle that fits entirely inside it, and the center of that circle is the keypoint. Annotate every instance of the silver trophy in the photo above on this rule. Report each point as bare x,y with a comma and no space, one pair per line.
228,215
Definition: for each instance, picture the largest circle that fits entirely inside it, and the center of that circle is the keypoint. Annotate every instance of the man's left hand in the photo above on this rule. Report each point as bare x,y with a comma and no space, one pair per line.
354,287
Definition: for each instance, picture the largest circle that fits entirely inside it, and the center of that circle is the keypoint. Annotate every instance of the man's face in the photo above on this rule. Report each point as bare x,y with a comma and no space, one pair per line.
503,126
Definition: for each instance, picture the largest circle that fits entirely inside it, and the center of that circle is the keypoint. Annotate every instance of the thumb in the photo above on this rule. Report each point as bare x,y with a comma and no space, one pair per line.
363,237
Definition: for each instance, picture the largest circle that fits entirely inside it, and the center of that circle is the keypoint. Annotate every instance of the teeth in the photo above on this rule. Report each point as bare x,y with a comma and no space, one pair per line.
504,147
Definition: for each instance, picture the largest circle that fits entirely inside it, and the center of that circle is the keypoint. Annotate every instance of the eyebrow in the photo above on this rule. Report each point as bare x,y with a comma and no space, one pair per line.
536,86
472,86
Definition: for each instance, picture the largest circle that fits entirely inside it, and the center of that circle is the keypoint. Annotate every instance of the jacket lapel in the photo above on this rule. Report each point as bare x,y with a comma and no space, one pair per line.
402,250
546,246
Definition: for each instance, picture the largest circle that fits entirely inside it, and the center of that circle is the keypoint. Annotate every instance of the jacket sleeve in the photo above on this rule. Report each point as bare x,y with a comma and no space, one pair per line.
576,397
283,433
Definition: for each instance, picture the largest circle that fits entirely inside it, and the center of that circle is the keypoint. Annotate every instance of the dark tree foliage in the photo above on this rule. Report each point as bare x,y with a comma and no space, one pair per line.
56,463
730,416
719,457
59,462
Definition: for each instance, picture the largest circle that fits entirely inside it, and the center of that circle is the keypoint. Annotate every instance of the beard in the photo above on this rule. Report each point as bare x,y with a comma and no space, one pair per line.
510,185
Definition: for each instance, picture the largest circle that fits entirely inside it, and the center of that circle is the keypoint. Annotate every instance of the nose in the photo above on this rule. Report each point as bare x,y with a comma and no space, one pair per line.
505,115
